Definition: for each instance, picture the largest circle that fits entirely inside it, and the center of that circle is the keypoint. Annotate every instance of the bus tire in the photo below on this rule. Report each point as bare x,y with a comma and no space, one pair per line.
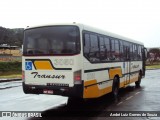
115,88
75,101
25,88
139,80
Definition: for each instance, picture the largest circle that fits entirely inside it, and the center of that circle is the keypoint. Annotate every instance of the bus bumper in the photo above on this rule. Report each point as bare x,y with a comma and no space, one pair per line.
75,91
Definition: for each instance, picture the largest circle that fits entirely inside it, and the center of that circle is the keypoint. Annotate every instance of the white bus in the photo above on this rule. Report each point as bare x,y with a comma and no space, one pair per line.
79,61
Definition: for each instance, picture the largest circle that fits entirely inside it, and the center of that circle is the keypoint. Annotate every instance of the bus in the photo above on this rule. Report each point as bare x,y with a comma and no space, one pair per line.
79,61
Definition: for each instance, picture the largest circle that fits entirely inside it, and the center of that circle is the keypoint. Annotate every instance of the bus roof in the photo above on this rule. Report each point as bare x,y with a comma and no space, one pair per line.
91,29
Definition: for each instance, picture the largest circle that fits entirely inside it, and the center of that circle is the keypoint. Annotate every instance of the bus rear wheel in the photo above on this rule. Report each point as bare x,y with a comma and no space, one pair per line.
115,88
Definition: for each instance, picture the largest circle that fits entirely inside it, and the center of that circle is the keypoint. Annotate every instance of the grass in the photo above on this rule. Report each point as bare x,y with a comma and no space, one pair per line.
6,75
10,70
153,67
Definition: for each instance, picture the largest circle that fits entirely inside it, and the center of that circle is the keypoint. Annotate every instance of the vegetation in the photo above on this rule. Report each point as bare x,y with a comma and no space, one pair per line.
11,36
7,75
10,66
153,67
153,56
10,69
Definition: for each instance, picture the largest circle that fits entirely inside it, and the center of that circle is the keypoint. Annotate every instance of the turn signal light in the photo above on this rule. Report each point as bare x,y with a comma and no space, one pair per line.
23,75
77,77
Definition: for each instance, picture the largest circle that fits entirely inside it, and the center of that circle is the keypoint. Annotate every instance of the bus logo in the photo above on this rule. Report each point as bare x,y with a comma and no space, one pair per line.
28,65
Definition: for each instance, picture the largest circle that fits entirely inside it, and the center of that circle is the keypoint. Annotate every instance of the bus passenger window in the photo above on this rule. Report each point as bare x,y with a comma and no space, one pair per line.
86,45
94,50
121,51
108,49
102,49
117,53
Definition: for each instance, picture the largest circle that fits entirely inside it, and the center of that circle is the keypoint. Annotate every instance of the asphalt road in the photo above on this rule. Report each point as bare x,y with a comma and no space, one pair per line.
145,98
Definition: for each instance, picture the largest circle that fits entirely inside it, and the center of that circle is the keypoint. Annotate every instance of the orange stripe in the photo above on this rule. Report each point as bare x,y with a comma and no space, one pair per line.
43,65
134,80
115,71
93,91
122,84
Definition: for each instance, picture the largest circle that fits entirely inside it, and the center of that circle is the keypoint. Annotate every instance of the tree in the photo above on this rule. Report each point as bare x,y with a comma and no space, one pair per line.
3,33
154,55
11,36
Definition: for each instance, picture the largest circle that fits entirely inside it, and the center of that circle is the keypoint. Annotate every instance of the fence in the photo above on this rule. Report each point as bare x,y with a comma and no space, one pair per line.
7,58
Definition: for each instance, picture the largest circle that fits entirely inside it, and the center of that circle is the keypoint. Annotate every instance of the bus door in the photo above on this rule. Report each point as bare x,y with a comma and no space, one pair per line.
127,66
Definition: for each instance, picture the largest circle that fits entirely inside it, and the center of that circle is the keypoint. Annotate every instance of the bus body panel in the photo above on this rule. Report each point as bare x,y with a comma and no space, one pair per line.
51,69
59,78
55,74
99,77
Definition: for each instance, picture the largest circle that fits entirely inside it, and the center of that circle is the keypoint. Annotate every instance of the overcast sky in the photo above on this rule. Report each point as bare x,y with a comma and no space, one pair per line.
136,19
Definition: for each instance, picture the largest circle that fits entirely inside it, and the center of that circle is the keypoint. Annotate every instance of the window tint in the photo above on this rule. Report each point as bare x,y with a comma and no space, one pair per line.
108,49
86,44
112,50
94,50
94,41
121,50
52,40
139,52
99,48
117,53
91,48
135,52
102,49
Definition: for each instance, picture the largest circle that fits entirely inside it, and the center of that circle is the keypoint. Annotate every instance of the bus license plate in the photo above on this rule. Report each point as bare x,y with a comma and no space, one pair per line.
48,91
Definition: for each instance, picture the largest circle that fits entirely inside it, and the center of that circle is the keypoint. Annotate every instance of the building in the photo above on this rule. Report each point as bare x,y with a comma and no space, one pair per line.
10,50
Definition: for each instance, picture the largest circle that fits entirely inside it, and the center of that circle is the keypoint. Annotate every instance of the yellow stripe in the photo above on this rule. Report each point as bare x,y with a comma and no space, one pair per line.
43,65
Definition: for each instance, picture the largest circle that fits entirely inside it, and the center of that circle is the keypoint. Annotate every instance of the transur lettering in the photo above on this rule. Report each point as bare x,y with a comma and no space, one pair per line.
37,75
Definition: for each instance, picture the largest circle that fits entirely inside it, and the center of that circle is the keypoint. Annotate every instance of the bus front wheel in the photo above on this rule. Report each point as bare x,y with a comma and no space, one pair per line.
75,101
139,80
115,88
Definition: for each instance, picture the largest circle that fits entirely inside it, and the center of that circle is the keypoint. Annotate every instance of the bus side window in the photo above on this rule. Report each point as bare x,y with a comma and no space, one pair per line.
117,53
102,49
126,50
131,51
121,51
112,57
139,52
86,45
94,50
108,49
135,52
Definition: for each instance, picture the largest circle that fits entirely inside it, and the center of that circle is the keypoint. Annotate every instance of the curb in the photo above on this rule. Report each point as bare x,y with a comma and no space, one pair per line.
9,80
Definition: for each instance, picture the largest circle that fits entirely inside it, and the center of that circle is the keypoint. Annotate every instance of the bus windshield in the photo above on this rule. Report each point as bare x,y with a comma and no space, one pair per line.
52,40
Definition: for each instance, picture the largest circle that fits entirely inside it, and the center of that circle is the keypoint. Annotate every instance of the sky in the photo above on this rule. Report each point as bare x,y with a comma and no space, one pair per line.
135,19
